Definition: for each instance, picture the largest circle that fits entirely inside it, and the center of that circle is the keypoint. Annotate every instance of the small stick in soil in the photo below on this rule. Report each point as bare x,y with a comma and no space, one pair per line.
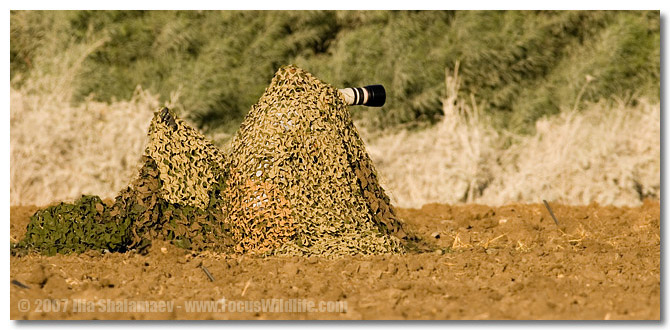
20,285
209,275
246,286
550,211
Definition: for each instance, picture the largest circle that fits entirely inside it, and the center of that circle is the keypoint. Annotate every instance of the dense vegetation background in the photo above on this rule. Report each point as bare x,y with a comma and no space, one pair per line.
519,66
555,105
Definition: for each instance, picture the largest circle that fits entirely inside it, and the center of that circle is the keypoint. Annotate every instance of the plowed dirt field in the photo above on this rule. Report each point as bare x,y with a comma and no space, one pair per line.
509,262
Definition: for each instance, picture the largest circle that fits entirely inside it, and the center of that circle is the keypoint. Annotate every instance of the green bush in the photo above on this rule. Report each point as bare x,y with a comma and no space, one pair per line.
520,65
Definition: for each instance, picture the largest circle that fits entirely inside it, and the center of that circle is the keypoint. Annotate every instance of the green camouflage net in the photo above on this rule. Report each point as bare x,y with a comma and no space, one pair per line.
78,227
296,181
144,211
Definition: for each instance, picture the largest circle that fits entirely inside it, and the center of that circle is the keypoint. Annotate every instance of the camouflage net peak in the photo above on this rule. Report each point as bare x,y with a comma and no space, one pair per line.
296,181
187,162
300,141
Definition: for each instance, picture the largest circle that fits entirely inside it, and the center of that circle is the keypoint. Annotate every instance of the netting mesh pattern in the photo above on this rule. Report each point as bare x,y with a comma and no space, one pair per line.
187,161
295,181
141,212
299,141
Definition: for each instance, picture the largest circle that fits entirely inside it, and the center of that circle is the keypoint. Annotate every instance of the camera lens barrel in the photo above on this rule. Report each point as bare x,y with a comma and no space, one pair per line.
371,95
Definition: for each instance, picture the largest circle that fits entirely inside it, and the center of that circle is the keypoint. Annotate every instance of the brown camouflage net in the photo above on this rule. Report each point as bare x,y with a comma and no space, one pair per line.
187,161
296,181
300,142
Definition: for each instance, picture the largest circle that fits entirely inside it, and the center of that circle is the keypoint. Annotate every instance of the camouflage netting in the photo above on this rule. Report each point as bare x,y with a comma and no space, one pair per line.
187,161
176,197
298,155
297,181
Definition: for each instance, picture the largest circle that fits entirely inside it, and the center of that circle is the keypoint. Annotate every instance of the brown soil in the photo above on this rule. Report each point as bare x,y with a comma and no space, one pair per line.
510,262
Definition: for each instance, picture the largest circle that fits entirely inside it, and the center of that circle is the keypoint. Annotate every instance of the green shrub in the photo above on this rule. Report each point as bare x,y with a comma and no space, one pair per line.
520,65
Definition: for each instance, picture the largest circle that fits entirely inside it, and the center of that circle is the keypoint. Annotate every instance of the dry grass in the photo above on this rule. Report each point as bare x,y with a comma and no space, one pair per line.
608,153
59,151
